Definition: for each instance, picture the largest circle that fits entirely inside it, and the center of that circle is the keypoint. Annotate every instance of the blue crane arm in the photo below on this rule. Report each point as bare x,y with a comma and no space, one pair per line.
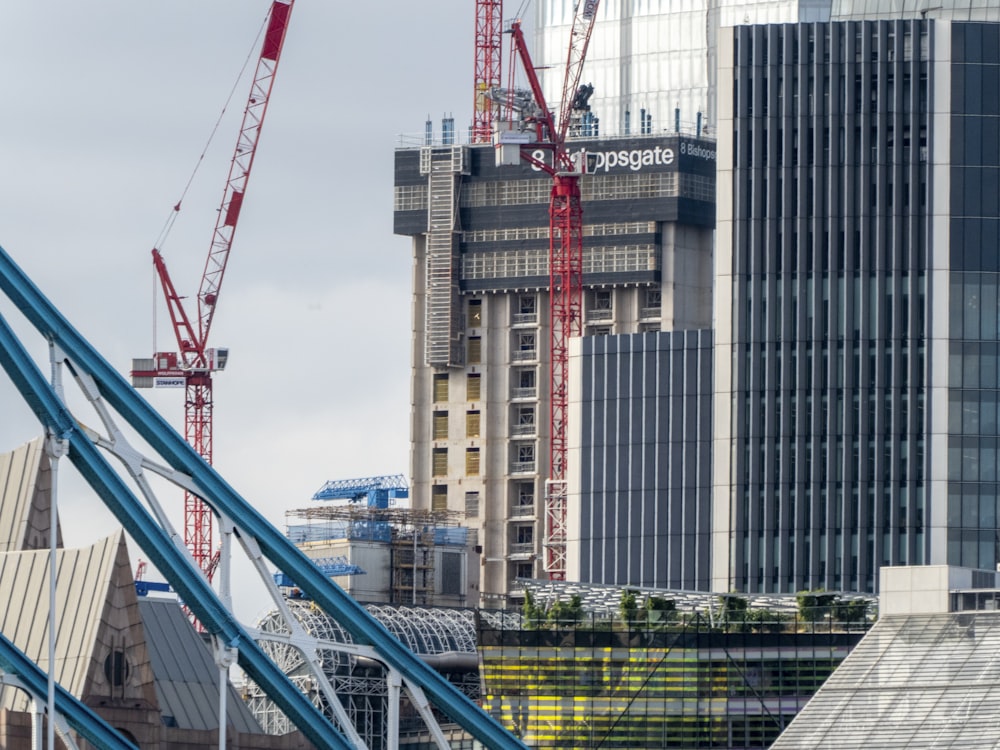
355,489
223,500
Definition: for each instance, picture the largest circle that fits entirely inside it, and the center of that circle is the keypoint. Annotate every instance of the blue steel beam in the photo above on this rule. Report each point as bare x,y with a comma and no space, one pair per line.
224,500
88,725
157,544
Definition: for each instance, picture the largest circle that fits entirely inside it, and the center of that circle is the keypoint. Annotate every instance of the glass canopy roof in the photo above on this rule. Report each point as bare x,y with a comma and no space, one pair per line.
915,681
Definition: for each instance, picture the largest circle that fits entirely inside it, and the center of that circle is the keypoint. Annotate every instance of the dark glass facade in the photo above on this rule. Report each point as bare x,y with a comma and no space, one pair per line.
645,418
828,404
974,281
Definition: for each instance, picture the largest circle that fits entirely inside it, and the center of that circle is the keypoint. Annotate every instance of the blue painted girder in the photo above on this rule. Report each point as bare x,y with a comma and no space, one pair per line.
80,717
224,500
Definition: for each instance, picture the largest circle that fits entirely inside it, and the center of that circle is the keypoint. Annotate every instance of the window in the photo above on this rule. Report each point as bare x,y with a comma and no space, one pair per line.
439,462
472,462
524,345
526,310
440,429
475,313
471,504
473,387
523,457
451,573
441,387
524,500
524,570
524,420
117,668
524,534
526,493
475,350
439,497
472,424
522,382
651,303
599,306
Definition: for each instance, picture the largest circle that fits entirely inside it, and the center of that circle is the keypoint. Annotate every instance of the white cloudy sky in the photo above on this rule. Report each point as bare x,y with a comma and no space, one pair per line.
106,106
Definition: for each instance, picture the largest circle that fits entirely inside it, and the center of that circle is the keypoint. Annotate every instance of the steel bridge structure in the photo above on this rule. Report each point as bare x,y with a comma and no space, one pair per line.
126,490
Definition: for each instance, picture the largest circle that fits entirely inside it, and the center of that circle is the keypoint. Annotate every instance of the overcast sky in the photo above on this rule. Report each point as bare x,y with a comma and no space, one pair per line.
106,106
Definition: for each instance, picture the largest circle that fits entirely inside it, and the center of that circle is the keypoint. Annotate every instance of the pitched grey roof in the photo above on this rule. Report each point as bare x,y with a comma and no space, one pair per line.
186,677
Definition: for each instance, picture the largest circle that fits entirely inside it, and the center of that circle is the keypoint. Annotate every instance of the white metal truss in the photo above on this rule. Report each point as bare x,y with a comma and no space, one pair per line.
306,643
366,689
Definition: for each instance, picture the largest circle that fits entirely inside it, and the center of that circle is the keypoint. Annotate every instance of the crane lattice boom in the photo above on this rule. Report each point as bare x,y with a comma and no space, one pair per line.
193,364
489,14
565,264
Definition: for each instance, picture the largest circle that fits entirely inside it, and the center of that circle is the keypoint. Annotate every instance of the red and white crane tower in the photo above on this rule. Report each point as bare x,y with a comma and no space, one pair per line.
565,256
194,362
489,20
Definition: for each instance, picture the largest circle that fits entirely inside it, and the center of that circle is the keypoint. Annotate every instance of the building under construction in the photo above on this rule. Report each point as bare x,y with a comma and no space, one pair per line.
480,389
380,550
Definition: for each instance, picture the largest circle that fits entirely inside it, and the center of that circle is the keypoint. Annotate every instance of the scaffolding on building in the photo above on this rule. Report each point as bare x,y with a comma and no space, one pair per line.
413,536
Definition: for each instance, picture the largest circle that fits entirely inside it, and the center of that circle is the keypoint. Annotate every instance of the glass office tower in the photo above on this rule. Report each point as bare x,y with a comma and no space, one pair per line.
856,362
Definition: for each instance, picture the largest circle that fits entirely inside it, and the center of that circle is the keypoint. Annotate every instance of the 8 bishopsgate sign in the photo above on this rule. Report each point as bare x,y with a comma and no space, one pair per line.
603,158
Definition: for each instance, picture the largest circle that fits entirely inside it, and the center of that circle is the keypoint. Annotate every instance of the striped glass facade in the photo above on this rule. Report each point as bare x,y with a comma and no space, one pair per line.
645,417
827,403
862,409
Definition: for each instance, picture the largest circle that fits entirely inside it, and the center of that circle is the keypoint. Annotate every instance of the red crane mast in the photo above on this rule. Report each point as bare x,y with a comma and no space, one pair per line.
489,14
194,362
565,261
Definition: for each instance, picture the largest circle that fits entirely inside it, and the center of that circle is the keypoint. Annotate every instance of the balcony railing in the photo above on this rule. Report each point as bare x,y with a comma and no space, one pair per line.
599,314
523,392
523,430
524,318
522,467
649,312
522,548
522,511
524,355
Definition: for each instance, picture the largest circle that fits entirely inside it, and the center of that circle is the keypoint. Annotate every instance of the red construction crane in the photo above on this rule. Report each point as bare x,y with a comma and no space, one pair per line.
565,255
489,14
194,362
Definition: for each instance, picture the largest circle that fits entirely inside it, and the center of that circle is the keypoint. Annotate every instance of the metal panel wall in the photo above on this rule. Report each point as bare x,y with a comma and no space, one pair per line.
645,489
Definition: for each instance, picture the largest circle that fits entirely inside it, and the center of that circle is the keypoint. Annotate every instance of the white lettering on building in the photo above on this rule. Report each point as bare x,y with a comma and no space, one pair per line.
631,159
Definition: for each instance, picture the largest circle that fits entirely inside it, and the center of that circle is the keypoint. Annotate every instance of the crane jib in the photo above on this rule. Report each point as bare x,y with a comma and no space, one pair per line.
275,30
